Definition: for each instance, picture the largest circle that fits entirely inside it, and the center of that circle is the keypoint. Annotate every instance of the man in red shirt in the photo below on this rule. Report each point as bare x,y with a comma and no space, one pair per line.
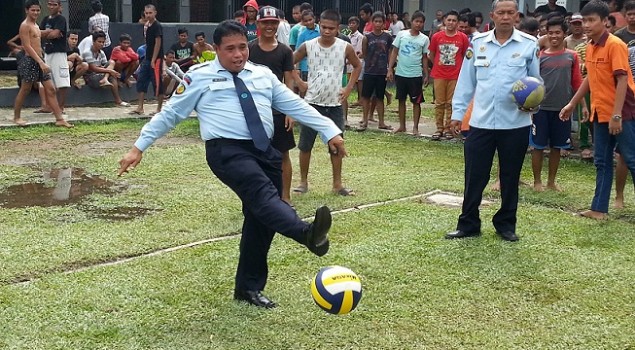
447,49
125,58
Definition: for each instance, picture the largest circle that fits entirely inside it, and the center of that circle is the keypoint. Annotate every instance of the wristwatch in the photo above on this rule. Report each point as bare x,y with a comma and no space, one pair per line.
617,117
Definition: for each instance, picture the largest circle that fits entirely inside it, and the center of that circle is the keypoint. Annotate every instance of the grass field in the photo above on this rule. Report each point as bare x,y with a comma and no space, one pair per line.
567,284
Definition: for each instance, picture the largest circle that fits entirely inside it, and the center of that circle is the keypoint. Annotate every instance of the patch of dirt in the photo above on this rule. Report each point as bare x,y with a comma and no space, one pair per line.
35,151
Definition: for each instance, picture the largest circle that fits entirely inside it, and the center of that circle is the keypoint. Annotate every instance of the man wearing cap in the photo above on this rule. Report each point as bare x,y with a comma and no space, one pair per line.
268,51
577,36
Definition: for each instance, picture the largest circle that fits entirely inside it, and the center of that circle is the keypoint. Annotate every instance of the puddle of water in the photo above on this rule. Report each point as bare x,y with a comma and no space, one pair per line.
65,186
58,187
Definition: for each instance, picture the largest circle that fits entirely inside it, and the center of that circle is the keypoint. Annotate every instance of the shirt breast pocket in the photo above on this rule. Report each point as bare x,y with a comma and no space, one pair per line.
260,87
218,86
482,70
516,67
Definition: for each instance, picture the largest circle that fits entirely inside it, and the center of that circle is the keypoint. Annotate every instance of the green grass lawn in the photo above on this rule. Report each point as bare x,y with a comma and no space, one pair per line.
568,283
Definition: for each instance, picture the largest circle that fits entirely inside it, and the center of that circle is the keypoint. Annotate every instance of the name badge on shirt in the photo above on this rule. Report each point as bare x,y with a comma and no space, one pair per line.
216,80
481,61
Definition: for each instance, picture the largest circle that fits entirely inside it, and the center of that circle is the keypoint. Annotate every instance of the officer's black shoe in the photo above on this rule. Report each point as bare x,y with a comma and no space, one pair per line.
508,235
461,234
254,297
317,234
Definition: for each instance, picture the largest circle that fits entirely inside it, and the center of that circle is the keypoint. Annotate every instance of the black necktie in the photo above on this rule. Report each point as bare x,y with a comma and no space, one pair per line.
254,124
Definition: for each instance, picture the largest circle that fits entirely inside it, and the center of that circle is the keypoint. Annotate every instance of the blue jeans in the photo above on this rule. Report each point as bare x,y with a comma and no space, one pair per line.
603,159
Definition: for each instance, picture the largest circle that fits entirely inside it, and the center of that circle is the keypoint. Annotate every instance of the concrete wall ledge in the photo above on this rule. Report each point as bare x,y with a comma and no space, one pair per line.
74,97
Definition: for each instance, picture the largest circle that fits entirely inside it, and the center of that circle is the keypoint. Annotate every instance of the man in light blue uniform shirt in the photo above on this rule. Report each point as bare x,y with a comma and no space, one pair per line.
494,61
255,175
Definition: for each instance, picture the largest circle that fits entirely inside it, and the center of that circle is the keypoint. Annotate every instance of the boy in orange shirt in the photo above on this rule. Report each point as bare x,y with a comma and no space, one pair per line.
612,104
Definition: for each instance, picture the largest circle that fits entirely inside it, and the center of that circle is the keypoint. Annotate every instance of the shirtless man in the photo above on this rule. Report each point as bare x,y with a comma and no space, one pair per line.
201,45
32,67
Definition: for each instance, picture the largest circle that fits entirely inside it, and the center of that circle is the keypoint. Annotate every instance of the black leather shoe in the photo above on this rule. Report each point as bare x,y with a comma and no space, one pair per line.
254,297
508,236
317,236
461,234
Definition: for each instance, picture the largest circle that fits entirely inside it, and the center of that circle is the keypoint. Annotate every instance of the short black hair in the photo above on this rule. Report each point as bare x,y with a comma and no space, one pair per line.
529,24
477,14
353,19
612,19
170,52
150,6
378,14
308,13
197,34
366,8
418,14
465,11
96,6
227,28
98,34
124,37
471,19
29,3
73,32
182,30
463,18
596,7
331,15
558,21
239,13
629,6
451,13
305,6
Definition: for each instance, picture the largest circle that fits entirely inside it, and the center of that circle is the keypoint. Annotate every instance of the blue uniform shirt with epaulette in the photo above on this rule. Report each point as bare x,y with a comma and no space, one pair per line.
488,72
209,89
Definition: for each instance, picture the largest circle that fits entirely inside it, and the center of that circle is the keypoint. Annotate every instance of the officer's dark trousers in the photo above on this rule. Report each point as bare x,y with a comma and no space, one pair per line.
256,177
479,150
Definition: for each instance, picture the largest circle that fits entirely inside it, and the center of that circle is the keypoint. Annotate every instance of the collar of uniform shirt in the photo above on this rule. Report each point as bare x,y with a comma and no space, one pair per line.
491,37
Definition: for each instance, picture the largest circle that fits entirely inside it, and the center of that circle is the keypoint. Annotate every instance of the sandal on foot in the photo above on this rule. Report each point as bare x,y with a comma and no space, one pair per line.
301,189
344,192
135,112
436,136
385,127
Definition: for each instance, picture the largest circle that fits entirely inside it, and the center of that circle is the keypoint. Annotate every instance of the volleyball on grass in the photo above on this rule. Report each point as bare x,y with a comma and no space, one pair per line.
528,92
337,290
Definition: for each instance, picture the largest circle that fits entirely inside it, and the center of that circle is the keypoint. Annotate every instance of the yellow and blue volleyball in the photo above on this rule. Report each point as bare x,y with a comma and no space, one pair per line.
337,290
528,92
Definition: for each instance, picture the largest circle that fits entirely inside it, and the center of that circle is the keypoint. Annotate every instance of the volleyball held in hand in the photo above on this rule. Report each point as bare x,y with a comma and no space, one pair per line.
528,92
337,290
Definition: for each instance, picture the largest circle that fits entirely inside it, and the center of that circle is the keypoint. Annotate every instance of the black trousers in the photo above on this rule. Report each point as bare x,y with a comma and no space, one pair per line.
479,151
256,177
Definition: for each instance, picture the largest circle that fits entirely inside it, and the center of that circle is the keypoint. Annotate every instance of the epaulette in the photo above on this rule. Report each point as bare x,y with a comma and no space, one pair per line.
199,65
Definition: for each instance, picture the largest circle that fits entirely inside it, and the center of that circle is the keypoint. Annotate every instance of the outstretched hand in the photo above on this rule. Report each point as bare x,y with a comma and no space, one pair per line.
129,161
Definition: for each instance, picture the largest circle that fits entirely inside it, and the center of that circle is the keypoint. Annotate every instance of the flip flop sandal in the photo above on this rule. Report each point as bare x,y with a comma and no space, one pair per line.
344,192
301,189
436,136
385,127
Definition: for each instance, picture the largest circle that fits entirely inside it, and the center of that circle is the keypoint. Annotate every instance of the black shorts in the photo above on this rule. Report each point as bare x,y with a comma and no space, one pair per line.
548,130
147,75
29,71
282,140
409,86
374,85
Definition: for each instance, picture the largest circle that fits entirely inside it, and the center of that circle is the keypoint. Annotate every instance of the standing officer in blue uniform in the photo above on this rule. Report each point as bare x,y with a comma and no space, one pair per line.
494,61
233,99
